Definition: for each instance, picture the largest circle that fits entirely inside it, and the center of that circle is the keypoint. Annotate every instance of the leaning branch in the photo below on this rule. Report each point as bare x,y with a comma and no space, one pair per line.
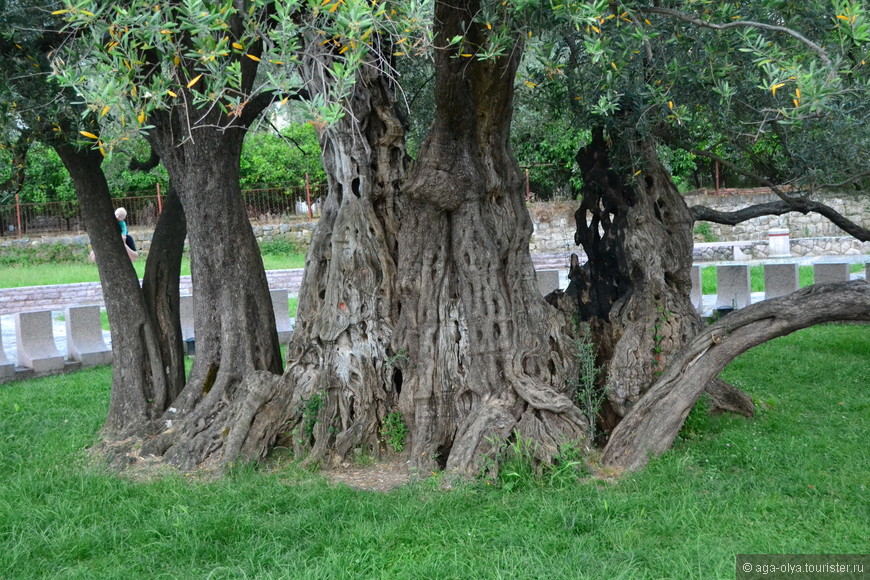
789,203
654,421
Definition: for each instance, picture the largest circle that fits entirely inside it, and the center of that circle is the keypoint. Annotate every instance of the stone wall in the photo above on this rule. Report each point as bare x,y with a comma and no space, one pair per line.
811,235
855,207
553,224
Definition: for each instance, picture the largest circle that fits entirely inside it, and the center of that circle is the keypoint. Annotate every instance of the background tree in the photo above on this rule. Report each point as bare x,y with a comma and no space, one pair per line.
45,111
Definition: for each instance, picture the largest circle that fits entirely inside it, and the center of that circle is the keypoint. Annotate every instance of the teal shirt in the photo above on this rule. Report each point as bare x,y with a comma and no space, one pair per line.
123,225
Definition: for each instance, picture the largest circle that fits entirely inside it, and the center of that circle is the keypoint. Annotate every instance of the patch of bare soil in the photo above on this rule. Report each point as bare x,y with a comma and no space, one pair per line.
382,477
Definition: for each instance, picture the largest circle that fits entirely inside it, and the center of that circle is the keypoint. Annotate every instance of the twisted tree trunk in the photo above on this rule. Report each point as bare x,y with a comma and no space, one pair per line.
143,379
233,318
635,288
485,354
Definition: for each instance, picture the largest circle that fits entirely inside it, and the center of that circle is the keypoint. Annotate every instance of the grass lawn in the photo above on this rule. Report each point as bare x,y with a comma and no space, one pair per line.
32,268
792,480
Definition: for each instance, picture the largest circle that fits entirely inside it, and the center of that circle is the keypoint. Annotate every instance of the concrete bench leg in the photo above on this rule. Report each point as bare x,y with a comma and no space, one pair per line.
84,336
548,280
7,367
826,273
283,322
780,279
697,293
35,344
732,286
185,312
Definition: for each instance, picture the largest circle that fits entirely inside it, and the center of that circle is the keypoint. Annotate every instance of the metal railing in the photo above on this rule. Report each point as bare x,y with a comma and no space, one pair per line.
263,206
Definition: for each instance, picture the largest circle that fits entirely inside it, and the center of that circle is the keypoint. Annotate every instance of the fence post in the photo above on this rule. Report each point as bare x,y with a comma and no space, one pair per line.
18,213
308,197
159,201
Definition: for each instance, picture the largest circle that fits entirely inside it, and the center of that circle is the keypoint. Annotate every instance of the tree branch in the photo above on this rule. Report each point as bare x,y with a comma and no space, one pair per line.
800,204
255,107
147,165
19,164
652,424
742,24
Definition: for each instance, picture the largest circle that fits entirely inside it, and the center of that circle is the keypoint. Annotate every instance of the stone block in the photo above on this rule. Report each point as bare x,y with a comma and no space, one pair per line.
7,367
548,280
780,244
732,286
780,279
283,322
84,336
825,273
697,294
35,344
185,311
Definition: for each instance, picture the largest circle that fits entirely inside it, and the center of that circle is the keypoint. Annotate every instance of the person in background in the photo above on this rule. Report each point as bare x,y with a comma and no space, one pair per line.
121,216
129,244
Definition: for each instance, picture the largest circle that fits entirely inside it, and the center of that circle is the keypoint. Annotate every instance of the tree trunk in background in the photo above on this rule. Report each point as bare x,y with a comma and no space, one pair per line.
160,287
485,357
140,386
634,291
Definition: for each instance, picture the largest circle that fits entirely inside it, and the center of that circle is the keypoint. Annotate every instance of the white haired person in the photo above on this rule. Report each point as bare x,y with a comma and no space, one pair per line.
121,216
129,244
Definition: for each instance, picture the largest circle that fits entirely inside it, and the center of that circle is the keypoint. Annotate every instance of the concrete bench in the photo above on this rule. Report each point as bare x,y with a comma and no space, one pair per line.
35,344
548,280
84,336
826,272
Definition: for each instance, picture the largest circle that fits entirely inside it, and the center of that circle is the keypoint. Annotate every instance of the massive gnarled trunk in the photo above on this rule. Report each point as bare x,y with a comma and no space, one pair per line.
485,353
341,377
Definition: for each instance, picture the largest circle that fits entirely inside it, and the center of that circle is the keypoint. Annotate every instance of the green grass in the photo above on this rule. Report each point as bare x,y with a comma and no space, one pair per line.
792,480
44,266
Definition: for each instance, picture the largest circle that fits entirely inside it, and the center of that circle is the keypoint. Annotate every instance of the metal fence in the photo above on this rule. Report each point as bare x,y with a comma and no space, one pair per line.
263,206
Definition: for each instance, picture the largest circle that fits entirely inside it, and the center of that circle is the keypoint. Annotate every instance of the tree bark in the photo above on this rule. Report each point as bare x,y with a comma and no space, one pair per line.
634,289
485,354
160,289
140,386
654,421
233,317
341,378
